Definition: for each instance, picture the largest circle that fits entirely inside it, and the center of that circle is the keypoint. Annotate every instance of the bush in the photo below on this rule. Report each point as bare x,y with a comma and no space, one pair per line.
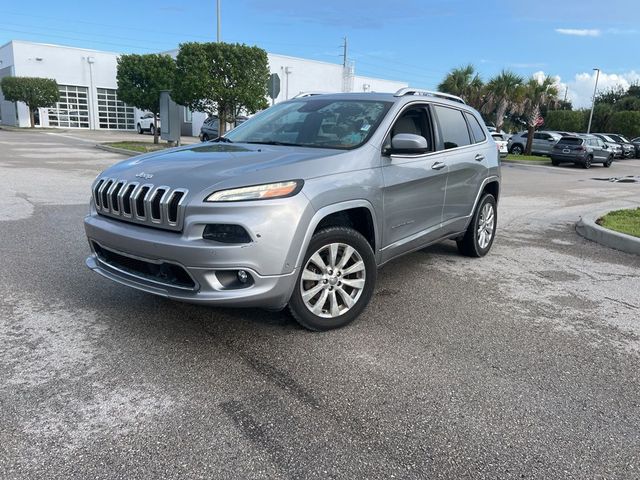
626,123
565,120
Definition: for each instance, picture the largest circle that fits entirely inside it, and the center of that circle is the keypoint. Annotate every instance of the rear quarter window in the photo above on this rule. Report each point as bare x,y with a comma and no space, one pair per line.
453,127
476,130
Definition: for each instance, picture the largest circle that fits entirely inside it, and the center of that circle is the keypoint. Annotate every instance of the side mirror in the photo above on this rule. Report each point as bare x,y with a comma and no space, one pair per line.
408,143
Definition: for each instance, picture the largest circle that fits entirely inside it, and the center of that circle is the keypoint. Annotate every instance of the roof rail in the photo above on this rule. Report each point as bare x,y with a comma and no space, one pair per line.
309,94
416,91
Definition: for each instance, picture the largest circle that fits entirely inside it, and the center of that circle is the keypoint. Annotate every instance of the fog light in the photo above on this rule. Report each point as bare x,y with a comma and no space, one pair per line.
243,276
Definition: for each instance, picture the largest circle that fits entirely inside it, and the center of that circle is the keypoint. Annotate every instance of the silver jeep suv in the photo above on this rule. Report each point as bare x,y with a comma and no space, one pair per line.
300,205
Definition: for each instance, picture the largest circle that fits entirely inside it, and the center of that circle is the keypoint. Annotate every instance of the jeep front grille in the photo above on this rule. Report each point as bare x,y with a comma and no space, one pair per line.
141,203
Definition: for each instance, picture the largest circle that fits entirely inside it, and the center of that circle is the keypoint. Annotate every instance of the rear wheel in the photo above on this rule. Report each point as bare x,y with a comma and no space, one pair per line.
479,237
587,162
554,162
517,149
336,281
608,161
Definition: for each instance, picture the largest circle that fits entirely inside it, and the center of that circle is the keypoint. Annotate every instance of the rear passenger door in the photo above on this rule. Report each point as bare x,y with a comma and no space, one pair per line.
542,142
460,143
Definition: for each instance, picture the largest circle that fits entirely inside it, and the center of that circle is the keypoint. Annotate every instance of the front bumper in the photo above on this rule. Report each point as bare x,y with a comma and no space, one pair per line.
270,259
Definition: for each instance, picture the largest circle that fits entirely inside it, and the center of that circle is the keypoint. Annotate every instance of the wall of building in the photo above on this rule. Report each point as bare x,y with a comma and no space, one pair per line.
93,70
8,114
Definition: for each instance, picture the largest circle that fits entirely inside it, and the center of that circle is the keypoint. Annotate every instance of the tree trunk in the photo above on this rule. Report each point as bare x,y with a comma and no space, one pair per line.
155,128
500,113
531,130
222,121
32,117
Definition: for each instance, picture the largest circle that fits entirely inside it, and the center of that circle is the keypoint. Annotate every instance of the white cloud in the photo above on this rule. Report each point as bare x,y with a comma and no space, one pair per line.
581,86
579,32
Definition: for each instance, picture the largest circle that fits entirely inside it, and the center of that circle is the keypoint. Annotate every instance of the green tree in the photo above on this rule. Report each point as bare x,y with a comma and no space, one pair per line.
502,95
221,78
140,80
466,83
537,91
602,115
35,92
626,123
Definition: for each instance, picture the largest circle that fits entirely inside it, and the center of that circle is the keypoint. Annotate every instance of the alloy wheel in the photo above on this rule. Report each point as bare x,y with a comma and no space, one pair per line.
486,225
333,280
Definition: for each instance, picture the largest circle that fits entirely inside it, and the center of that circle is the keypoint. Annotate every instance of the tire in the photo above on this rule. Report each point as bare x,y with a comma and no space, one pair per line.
331,288
607,163
139,129
587,162
517,149
473,244
152,130
555,163
205,137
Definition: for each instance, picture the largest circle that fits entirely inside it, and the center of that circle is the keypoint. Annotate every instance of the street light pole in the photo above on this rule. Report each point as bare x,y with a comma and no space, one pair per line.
218,19
593,100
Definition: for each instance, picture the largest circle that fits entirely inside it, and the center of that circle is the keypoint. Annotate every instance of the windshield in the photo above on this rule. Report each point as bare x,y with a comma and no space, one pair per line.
314,122
570,141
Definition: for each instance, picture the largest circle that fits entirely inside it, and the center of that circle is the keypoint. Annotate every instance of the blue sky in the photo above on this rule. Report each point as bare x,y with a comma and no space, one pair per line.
410,40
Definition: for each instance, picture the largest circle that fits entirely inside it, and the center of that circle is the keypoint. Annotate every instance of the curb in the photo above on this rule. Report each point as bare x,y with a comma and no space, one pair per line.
589,229
121,151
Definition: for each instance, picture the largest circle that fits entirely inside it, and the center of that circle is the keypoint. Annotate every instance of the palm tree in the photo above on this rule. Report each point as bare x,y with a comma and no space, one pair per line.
466,83
536,92
502,94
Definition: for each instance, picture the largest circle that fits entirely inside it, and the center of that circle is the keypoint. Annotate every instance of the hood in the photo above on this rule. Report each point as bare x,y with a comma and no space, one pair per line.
203,166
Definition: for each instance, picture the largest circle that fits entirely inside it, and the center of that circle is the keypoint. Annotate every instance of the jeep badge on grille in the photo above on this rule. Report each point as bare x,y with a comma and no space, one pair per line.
146,176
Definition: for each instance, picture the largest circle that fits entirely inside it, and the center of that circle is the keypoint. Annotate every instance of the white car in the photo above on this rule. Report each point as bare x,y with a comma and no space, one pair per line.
145,124
501,141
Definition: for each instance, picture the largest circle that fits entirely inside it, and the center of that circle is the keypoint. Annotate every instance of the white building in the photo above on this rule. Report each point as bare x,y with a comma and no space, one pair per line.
88,87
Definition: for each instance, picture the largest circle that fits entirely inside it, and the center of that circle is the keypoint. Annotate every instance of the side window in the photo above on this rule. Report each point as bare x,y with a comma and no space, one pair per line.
476,129
453,127
539,136
414,120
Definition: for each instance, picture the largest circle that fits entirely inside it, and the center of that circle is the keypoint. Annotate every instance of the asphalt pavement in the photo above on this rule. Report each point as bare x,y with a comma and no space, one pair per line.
523,364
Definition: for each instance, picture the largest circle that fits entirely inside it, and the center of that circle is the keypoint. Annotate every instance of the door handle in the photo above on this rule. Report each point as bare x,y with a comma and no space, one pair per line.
438,165
479,157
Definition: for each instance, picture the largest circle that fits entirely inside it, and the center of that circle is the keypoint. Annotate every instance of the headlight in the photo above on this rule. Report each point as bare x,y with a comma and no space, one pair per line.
257,192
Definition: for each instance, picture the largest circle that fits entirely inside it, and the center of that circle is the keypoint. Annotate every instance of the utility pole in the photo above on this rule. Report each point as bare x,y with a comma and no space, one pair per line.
344,53
566,91
593,100
218,19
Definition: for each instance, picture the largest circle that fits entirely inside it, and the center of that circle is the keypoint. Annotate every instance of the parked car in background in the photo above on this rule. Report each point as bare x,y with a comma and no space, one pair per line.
210,127
543,142
581,150
145,124
618,151
628,148
636,143
502,142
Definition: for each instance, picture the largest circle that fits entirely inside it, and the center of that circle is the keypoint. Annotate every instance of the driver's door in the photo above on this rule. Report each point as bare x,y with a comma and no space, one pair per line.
414,187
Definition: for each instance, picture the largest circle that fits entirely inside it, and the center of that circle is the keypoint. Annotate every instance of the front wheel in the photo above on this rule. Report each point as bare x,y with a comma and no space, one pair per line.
517,149
139,129
479,236
205,138
152,130
336,281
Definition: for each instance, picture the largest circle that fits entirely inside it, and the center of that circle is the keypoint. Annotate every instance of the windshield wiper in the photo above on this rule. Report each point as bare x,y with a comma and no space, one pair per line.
274,142
223,140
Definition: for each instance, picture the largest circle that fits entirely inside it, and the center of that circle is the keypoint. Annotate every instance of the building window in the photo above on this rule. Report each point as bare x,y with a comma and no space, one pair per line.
113,114
72,111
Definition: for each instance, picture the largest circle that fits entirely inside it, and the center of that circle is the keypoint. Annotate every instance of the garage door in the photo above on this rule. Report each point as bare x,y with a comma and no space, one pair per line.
112,113
72,111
